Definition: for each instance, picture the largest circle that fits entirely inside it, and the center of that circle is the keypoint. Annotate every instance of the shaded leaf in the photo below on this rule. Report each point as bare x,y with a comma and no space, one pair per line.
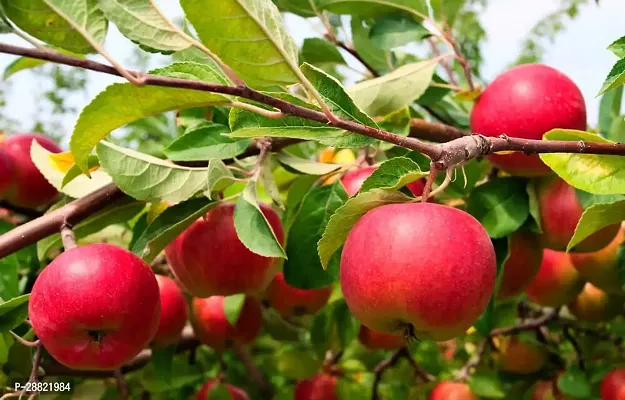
205,143
304,165
233,306
597,217
393,174
318,51
615,78
367,8
395,30
219,178
13,312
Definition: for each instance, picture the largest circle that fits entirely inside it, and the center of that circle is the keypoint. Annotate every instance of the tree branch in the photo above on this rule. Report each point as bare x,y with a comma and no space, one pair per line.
529,325
357,56
255,374
392,361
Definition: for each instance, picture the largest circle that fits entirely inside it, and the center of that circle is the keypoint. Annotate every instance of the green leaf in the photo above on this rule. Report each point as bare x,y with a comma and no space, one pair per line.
593,173
233,306
219,178
142,23
168,225
588,200
13,312
249,36
395,90
74,172
395,30
317,51
595,218
306,166
486,322
501,205
6,343
609,110
534,210
397,122
252,227
162,361
267,180
219,392
303,269
149,178
47,20
294,363
205,143
618,47
487,385
377,58
302,8
369,8
615,78
347,215
20,359
9,268
122,103
347,326
393,174
575,383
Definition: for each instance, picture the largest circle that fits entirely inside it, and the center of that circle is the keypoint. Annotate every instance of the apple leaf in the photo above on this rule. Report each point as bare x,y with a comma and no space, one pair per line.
219,178
610,111
369,8
162,362
348,214
296,363
373,55
9,270
6,343
233,306
252,227
303,267
13,312
397,122
595,218
168,225
219,392
534,210
618,47
268,182
501,205
393,174
304,165
303,8
317,51
575,383
20,360
487,384
395,30
277,327
122,103
615,78
588,200
205,143
346,324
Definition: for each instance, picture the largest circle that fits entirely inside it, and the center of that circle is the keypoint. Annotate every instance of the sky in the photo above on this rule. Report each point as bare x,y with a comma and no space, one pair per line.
579,52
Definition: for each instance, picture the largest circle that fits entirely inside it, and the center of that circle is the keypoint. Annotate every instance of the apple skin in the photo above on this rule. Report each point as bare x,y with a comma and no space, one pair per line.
208,259
613,385
600,267
6,172
526,102
560,211
290,301
521,267
379,341
90,291
174,313
519,357
235,392
352,180
557,282
595,305
452,391
319,387
401,267
213,329
30,189
548,390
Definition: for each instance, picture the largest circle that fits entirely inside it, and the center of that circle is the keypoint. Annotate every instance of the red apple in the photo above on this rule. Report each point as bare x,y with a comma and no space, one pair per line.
6,172
30,189
213,329
613,385
417,187
353,180
289,301
379,341
209,259
557,282
174,312
600,267
452,391
522,265
548,390
518,356
526,102
595,305
319,387
560,211
95,307
418,268
235,392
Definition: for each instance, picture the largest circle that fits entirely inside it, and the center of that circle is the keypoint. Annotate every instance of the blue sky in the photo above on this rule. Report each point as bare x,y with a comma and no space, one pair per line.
580,51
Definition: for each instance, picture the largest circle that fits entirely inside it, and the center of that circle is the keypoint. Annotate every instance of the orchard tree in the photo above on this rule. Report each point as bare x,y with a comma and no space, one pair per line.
264,229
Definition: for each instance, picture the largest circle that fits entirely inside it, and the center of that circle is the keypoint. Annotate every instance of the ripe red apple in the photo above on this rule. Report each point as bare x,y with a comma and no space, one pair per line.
452,390
560,211
235,392
418,268
595,305
319,387
174,312
289,301
522,265
29,189
352,181
548,390
526,102
6,172
378,340
209,259
518,356
557,282
95,307
213,329
600,267
613,385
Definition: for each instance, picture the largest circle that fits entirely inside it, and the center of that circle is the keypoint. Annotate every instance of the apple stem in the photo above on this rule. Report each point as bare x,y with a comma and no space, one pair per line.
428,183
392,361
122,386
67,236
23,341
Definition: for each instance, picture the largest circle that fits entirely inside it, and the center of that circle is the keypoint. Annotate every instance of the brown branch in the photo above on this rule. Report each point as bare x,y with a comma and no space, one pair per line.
357,56
122,385
444,63
254,373
529,325
578,350
473,362
392,361
434,131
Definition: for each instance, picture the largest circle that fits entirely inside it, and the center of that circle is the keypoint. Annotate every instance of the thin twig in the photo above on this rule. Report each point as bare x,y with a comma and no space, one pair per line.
23,341
392,361
68,238
255,374
473,362
357,56
444,63
122,385
429,182
578,350
529,325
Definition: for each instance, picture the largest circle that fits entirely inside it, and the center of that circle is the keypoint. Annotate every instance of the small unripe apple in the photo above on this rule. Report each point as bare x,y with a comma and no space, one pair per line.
522,265
452,391
174,312
29,189
600,267
613,385
518,356
418,268
95,307
595,305
290,301
526,102
235,392
6,172
557,282
378,340
213,328
560,211
319,387
209,259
